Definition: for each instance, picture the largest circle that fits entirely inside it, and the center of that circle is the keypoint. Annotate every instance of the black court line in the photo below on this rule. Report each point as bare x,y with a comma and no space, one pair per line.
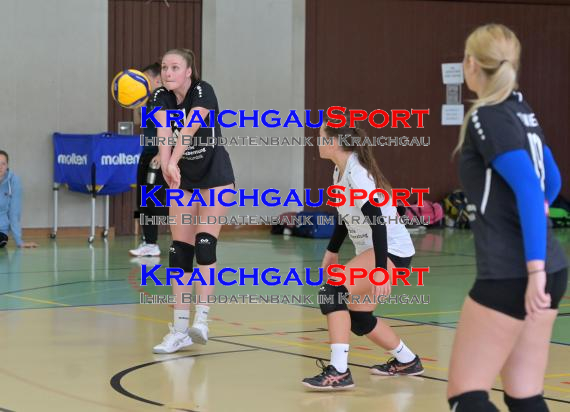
355,364
292,332
64,284
101,269
115,381
445,325
271,333
66,306
81,269
162,279
414,322
427,323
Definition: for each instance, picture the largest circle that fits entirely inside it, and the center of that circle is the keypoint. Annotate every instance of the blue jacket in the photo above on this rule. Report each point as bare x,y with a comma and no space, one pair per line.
11,206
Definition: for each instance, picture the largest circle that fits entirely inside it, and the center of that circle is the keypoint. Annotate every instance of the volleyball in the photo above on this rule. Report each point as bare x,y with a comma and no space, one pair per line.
130,88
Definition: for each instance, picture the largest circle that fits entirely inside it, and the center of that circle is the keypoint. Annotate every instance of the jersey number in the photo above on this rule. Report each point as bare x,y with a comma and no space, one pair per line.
537,156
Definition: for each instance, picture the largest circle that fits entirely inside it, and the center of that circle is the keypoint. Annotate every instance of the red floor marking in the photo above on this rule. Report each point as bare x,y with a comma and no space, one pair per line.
566,383
216,318
235,323
280,333
305,338
362,348
429,359
254,328
134,284
326,341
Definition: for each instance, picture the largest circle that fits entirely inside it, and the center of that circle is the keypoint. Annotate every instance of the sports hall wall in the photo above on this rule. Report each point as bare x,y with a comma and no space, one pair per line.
388,54
253,56
61,82
54,59
139,33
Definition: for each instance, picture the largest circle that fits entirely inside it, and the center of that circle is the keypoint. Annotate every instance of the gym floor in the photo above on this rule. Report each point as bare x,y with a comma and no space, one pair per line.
74,336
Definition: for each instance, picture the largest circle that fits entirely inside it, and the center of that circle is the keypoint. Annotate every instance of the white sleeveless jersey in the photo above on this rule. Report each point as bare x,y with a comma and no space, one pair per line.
356,177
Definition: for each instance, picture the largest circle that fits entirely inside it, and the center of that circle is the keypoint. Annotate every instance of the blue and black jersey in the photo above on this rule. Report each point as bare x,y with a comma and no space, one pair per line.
503,172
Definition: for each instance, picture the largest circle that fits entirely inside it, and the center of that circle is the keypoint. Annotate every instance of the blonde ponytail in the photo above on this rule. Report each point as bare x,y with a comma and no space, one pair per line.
496,50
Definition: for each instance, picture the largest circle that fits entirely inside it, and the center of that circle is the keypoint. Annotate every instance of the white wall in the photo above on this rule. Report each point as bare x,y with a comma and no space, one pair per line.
54,78
253,54
54,71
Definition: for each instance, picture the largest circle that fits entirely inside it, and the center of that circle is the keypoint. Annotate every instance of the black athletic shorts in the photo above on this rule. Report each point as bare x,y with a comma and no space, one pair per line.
214,170
160,194
400,262
3,239
507,295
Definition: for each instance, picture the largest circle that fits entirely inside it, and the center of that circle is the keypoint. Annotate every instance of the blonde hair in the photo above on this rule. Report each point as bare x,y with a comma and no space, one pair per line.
190,58
496,49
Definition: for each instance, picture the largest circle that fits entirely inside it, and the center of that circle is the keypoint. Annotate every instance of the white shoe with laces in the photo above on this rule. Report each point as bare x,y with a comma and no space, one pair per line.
146,249
199,332
173,342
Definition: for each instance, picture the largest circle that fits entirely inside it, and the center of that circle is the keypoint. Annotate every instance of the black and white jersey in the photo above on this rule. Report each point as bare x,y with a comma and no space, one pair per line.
355,176
203,164
494,130
200,94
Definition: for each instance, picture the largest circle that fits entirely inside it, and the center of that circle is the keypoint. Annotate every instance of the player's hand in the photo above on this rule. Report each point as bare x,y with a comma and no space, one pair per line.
330,258
383,290
155,162
28,245
165,174
536,298
172,175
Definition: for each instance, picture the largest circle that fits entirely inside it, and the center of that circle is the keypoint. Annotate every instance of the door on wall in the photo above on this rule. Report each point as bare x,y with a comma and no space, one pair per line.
140,31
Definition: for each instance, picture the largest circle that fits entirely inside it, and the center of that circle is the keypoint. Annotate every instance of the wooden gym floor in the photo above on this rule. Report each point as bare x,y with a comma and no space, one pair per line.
74,337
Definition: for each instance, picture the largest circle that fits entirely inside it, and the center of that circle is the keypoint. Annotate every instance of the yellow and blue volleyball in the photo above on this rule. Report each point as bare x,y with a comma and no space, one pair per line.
130,88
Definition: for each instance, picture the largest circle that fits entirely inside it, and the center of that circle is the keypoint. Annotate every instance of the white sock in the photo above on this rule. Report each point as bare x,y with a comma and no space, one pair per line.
402,353
339,356
181,319
201,315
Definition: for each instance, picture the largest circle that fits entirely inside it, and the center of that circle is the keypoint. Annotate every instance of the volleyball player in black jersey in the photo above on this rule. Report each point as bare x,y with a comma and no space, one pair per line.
191,165
149,160
509,174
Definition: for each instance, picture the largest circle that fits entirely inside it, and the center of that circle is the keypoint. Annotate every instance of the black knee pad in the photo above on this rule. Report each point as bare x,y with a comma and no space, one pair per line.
533,404
3,239
362,323
205,248
330,298
181,255
476,401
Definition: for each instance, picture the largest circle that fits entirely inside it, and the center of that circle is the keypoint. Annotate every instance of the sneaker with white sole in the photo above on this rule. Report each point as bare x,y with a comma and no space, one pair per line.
395,368
145,260
199,333
329,379
173,342
146,249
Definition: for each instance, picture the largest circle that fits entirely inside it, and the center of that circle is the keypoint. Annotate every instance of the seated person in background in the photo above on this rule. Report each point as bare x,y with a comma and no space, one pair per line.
10,205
